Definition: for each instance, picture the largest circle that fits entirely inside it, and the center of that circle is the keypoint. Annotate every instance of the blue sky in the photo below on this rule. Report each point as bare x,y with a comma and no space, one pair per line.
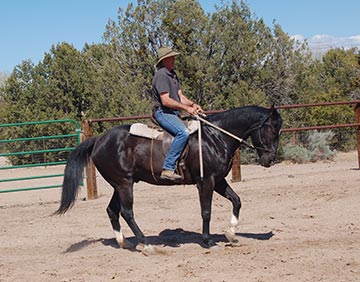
29,28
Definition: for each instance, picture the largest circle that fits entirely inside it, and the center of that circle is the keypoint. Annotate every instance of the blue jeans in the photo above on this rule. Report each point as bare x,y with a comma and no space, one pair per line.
171,122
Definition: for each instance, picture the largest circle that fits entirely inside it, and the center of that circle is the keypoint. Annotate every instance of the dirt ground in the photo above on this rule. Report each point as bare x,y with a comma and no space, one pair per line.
298,223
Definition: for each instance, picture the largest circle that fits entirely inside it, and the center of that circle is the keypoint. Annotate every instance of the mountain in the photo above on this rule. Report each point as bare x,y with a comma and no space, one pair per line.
320,44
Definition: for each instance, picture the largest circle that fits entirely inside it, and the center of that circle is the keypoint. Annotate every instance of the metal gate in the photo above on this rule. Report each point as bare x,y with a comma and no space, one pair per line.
21,148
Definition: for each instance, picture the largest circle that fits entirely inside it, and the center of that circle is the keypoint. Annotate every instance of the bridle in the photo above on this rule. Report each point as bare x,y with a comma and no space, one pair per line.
258,128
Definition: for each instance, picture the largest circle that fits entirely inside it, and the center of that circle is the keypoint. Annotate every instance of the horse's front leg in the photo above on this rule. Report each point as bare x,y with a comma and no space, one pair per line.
206,191
224,189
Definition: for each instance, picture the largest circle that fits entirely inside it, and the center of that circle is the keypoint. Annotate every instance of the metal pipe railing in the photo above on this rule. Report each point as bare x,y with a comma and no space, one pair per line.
8,153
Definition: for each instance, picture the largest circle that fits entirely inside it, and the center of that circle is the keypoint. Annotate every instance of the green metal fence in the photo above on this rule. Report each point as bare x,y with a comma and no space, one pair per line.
22,149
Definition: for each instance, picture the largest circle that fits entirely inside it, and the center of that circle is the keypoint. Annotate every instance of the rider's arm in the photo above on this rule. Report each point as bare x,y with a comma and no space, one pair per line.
186,101
173,104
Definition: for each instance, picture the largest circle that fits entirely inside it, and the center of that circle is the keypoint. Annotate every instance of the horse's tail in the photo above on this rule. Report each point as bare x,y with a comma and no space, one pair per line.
74,173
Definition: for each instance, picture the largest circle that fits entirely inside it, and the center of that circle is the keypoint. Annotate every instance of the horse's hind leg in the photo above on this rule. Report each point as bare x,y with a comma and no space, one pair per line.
126,199
122,203
113,211
126,211
224,189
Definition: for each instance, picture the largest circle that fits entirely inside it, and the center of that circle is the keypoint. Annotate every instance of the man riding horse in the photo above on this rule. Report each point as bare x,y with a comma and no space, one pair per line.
168,101
123,158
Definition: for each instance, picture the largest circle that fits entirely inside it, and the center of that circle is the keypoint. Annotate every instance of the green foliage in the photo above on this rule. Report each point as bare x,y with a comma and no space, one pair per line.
338,77
227,58
296,154
318,144
315,148
3,77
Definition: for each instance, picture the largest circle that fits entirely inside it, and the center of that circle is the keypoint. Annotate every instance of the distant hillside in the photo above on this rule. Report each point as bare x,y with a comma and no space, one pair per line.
320,44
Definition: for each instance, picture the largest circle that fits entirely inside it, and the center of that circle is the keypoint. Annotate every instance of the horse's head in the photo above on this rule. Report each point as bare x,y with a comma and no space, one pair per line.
265,137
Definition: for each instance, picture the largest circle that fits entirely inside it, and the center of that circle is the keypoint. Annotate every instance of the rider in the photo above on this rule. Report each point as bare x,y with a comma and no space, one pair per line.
168,101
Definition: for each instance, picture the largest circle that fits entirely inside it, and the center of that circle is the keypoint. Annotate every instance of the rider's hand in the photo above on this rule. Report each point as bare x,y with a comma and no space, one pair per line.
198,108
192,110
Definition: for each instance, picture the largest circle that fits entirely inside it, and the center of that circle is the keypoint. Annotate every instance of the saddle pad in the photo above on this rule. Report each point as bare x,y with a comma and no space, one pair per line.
140,129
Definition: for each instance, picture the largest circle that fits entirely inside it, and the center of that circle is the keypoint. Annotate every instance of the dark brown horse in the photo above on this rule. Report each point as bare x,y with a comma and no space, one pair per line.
122,159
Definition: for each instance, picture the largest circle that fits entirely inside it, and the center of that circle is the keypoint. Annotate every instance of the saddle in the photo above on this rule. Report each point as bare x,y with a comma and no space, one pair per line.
155,132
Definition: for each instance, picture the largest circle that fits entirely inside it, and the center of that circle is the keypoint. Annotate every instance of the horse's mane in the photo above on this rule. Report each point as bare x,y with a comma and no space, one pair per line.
248,113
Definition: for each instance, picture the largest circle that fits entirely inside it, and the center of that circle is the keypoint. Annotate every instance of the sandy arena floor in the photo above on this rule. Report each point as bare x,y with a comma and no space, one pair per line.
298,223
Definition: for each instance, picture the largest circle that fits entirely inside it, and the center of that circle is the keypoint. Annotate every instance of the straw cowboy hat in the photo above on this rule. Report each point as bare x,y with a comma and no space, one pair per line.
165,52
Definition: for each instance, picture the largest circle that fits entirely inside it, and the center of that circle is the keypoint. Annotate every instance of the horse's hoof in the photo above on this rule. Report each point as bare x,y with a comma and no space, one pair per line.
231,237
126,244
209,244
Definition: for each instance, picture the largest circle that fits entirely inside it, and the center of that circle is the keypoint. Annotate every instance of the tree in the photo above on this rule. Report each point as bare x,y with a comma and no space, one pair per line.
236,45
3,77
16,95
227,58
338,76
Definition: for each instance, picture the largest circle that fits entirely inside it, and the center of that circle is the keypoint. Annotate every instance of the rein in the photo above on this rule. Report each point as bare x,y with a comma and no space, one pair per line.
236,137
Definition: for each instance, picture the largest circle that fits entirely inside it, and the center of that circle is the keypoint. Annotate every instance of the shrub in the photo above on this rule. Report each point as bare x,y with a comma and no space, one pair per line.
318,144
296,154
316,147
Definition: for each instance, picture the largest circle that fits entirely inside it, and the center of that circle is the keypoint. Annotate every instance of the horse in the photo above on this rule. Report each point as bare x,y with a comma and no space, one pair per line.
123,159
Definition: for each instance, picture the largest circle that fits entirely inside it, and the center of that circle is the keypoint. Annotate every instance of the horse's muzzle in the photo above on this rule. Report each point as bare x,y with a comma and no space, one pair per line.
267,160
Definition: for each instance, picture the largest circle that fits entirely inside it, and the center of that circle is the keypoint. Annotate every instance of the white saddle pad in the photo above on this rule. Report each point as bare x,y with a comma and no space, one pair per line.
140,129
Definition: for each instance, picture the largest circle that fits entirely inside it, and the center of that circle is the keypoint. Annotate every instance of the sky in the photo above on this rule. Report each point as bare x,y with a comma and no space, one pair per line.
29,28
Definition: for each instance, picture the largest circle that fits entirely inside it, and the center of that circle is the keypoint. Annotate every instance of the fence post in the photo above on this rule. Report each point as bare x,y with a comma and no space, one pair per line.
293,138
357,120
90,168
236,167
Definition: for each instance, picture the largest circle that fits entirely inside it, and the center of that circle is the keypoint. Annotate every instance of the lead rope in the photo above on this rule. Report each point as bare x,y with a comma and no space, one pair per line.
224,131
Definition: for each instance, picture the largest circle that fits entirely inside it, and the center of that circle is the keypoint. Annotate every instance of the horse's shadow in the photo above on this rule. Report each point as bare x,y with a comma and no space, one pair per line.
169,238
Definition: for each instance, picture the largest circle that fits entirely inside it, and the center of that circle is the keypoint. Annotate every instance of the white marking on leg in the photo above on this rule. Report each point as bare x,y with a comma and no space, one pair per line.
119,237
230,234
233,222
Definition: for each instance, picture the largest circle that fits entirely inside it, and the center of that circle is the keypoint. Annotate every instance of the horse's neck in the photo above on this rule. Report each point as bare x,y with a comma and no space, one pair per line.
239,122
223,143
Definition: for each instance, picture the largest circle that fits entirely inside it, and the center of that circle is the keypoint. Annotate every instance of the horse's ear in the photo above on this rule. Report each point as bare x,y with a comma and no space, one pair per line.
274,109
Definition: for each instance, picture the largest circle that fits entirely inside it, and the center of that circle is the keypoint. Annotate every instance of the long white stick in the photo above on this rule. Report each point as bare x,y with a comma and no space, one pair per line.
200,152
